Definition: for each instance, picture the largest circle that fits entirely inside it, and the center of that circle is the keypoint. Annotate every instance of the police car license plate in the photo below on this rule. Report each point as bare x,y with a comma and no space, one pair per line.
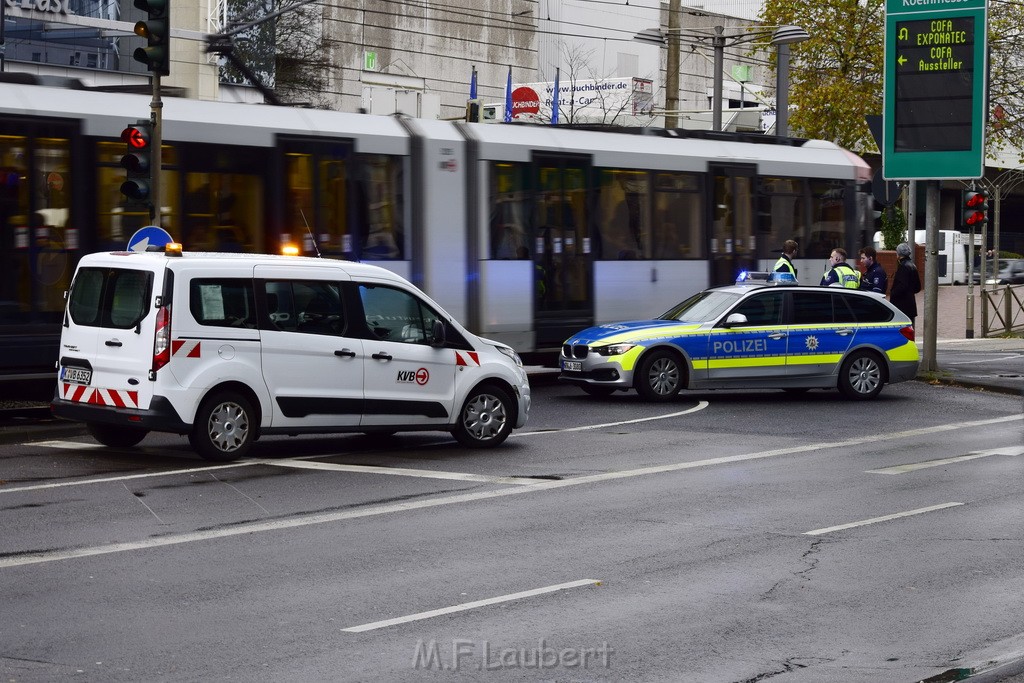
76,375
572,365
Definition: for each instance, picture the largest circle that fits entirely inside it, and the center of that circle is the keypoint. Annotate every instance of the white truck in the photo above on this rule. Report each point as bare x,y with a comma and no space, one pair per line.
954,256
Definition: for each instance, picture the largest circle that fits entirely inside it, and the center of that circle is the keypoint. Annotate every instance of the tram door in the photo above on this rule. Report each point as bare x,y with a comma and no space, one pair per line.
732,246
561,246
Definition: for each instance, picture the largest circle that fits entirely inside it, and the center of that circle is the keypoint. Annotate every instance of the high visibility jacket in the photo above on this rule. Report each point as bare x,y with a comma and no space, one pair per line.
848,276
784,265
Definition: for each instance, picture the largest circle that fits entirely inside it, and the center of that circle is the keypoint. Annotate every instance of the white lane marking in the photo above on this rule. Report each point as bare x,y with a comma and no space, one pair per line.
471,605
902,469
126,477
987,360
353,468
701,405
308,520
65,444
876,520
402,472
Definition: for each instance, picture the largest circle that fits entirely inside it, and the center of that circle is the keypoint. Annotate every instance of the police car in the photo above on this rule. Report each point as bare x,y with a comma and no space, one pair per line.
227,347
754,334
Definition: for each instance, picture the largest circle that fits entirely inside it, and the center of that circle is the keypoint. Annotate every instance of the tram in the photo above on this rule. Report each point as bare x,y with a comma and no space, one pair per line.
524,232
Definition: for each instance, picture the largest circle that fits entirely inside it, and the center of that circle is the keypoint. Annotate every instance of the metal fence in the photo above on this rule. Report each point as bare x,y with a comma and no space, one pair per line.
1002,310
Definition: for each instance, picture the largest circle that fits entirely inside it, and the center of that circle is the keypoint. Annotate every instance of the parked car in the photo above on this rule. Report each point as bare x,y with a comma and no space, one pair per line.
1011,272
749,336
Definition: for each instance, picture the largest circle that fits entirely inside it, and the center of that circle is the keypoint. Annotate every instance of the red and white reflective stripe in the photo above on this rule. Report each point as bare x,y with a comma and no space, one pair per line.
467,359
188,349
118,398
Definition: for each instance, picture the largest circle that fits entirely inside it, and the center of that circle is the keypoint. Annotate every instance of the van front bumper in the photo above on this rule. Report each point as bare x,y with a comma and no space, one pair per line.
159,417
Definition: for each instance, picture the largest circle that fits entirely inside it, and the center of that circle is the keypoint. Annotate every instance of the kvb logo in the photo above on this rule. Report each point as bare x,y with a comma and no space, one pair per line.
421,376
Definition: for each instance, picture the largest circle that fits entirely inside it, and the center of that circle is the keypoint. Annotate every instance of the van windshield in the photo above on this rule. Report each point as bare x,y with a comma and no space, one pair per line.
110,297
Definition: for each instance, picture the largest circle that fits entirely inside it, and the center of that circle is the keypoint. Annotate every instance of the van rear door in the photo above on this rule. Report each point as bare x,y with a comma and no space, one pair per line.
107,344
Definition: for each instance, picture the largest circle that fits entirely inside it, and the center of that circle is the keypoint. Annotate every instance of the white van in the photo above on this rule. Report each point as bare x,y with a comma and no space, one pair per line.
954,260
227,347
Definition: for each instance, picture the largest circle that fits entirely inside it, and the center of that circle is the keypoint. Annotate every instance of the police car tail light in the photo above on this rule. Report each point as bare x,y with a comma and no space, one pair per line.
162,338
612,349
907,332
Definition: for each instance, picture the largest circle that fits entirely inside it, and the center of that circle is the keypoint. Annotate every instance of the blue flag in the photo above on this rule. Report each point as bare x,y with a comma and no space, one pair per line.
472,86
508,97
554,101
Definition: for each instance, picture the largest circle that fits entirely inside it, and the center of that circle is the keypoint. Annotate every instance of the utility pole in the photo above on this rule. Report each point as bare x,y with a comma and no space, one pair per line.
672,67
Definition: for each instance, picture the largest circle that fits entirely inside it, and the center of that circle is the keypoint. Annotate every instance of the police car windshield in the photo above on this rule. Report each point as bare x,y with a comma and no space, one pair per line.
702,307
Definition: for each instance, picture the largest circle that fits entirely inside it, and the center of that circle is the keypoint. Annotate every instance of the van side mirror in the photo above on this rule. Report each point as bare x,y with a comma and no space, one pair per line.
437,338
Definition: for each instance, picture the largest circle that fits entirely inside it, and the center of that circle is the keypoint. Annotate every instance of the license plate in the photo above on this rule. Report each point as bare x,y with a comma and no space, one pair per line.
572,365
76,375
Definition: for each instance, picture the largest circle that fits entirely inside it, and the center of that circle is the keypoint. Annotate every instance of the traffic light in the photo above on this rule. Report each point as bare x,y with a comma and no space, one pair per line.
473,111
975,208
136,160
156,29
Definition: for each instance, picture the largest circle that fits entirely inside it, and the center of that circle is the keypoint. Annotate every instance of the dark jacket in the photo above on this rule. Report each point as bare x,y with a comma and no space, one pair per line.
905,284
875,279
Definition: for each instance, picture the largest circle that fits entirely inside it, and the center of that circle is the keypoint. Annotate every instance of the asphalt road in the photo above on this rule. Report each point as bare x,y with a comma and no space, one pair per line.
723,537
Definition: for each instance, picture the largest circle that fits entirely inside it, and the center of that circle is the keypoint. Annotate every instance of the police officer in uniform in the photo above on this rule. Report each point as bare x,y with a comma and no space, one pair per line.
785,262
874,278
841,272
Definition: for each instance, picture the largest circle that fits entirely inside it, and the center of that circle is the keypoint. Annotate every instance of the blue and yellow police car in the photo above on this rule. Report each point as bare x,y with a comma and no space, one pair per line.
758,333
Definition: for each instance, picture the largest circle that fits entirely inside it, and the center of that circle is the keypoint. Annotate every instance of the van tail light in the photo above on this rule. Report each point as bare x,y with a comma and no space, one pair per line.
162,339
907,332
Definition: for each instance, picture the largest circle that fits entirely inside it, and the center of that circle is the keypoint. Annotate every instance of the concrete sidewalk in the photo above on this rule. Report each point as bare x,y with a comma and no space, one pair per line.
951,312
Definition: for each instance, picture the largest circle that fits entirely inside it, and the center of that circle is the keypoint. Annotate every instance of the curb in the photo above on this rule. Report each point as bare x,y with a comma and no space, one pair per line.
968,384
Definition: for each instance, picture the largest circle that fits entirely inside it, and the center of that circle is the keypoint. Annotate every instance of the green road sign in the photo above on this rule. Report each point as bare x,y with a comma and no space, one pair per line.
935,77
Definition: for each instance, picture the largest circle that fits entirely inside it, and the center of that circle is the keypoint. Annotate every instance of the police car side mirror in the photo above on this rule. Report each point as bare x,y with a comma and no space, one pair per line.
735,320
437,338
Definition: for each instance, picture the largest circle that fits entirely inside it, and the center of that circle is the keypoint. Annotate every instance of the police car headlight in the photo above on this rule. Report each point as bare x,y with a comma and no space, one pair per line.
612,349
510,352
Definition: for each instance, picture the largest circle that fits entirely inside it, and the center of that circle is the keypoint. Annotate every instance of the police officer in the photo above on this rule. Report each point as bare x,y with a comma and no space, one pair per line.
874,278
841,272
785,262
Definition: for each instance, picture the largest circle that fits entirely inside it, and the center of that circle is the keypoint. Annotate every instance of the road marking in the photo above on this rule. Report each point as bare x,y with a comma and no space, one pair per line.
902,469
293,462
471,605
401,472
701,405
16,559
876,520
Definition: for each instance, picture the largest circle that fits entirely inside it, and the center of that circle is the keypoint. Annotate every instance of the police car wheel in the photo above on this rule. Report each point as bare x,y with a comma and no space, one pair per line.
596,390
485,420
861,376
116,436
224,428
661,376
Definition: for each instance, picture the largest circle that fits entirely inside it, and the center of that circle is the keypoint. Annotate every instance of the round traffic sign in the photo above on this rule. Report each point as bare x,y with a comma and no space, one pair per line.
149,236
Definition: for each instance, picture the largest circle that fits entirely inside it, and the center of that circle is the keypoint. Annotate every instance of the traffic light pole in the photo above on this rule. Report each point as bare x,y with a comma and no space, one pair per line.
155,157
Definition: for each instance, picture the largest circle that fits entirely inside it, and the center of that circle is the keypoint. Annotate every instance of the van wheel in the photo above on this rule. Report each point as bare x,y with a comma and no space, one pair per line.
224,428
860,376
116,436
486,418
660,376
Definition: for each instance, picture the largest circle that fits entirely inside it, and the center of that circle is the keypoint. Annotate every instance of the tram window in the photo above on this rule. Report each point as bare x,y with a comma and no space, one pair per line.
508,238
828,218
380,207
678,230
781,215
624,217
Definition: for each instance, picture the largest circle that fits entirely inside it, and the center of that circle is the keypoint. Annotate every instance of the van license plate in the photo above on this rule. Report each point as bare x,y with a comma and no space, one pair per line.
572,365
76,375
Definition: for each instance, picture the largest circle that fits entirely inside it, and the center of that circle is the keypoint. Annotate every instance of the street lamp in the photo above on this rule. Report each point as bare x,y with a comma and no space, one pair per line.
783,37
